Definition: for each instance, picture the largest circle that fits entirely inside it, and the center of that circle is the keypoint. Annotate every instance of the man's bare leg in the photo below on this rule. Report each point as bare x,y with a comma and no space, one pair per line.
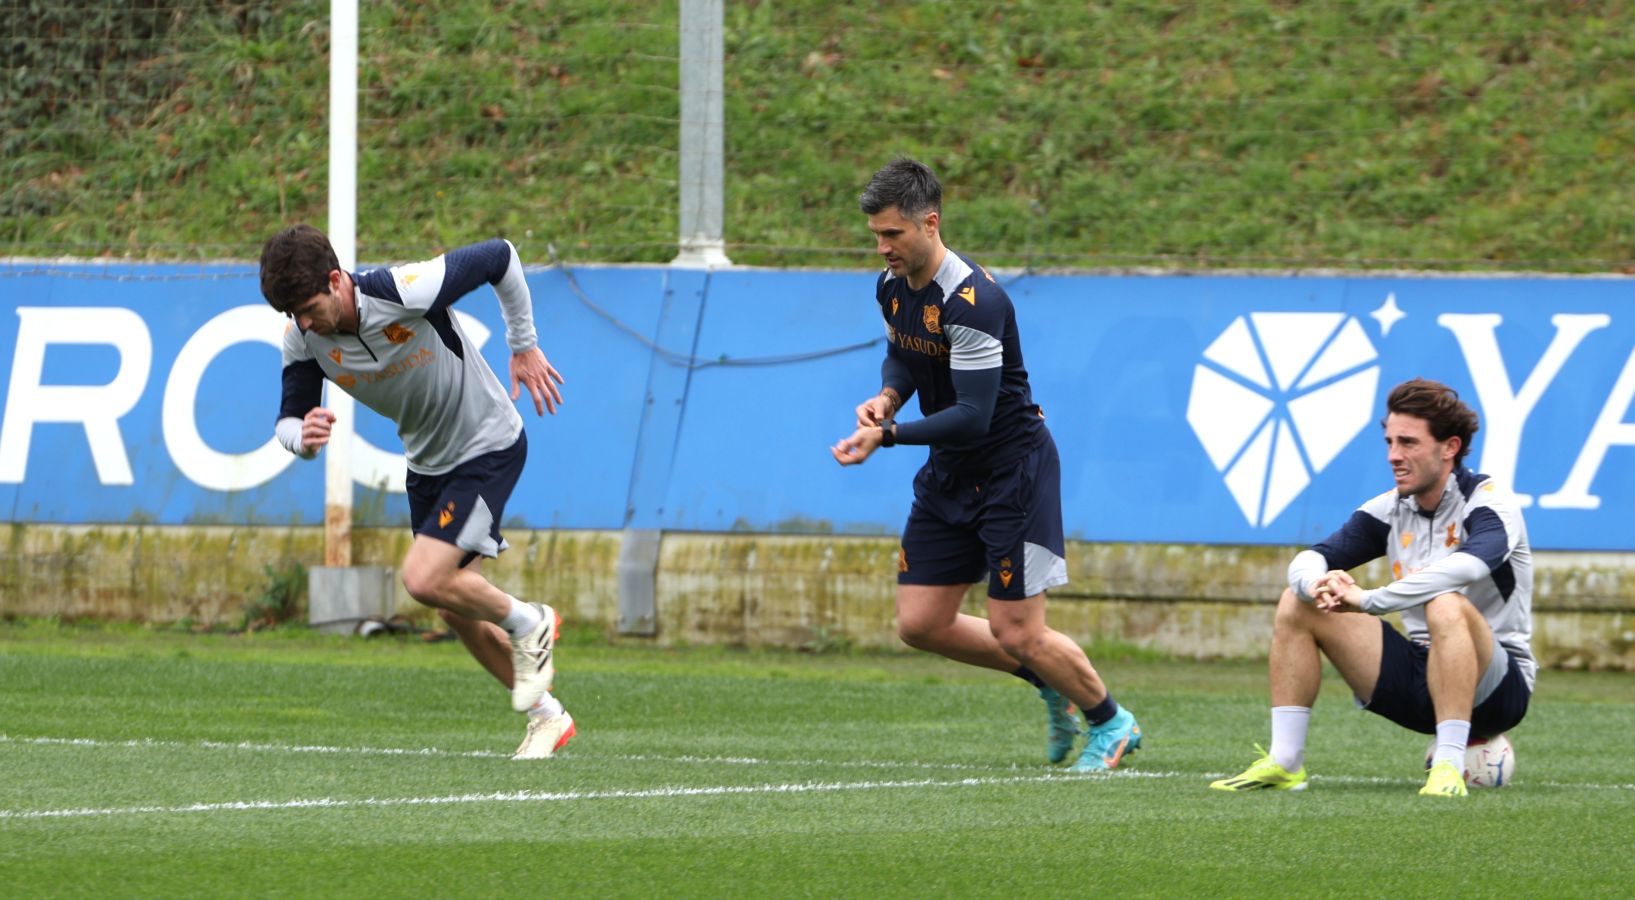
433,575
1461,650
486,642
928,618
1019,628
1350,640
1301,635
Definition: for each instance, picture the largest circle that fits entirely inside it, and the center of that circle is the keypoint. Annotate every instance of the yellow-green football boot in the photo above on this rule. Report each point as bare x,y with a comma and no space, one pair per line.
1264,775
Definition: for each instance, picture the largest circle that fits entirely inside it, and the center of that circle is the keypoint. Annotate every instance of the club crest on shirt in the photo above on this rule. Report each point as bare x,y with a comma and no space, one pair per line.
933,318
397,334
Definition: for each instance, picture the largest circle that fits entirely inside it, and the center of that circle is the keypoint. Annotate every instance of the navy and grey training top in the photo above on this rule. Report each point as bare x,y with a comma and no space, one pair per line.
955,343
1474,542
411,362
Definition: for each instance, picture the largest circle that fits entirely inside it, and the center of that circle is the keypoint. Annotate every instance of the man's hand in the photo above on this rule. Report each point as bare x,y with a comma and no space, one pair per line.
1338,592
530,367
856,449
315,429
879,409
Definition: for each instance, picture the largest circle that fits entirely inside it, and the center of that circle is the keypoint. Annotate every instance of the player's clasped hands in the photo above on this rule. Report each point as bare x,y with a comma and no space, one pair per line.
1337,592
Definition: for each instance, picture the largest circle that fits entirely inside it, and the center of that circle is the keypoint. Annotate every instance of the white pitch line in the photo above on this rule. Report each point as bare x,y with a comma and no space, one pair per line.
528,797
435,752
151,743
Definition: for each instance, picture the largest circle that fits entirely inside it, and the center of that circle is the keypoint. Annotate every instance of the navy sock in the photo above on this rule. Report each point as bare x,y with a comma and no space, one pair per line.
1026,674
1104,711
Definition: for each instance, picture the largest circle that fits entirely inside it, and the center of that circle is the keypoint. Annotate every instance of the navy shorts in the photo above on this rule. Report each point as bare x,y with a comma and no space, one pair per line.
1006,522
464,505
1404,696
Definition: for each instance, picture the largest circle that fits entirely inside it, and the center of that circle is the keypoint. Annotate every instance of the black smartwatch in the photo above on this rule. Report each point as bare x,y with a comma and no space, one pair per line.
888,438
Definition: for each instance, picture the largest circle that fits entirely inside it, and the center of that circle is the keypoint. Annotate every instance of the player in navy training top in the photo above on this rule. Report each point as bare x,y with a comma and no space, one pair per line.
387,337
1462,581
988,500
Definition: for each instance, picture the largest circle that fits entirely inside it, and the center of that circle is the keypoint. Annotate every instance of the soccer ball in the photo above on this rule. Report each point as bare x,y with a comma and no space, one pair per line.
1489,762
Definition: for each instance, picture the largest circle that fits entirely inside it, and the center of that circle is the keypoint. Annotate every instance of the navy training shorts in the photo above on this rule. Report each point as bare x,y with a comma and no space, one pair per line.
1404,696
464,505
1006,522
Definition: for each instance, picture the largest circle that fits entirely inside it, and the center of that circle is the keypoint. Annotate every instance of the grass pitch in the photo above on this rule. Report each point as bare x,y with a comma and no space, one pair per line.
146,763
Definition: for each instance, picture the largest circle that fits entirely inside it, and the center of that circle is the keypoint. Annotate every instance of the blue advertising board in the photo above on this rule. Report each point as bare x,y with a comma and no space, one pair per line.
1188,408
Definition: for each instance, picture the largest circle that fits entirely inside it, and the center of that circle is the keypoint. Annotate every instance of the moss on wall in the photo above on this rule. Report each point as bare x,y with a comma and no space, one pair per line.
760,589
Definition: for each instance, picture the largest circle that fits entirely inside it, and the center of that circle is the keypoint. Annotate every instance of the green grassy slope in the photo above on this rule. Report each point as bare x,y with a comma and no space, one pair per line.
1252,132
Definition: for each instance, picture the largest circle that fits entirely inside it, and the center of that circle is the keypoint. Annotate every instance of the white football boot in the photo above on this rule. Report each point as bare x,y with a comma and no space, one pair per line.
546,735
533,669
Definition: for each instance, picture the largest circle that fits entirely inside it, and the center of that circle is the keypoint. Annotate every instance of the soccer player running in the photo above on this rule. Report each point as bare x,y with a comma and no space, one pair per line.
988,499
388,338
1463,584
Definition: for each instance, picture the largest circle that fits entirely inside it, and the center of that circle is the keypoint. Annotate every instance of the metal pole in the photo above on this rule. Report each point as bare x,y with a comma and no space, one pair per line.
702,123
343,217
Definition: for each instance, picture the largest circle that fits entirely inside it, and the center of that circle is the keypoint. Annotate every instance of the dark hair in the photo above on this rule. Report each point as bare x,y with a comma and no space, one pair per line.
295,264
1440,407
908,185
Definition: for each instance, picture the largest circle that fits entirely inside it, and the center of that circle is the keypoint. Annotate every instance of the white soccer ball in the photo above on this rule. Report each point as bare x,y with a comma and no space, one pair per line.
1489,762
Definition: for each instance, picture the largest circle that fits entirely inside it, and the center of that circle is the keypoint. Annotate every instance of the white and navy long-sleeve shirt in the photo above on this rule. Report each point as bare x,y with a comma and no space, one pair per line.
1474,543
955,343
411,362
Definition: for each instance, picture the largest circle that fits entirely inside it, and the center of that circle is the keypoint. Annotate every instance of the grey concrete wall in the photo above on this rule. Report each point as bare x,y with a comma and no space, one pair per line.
782,590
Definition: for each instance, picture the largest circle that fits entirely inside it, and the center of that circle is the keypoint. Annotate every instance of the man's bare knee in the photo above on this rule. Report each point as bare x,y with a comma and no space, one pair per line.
1293,613
423,583
918,628
1446,611
1015,638
914,633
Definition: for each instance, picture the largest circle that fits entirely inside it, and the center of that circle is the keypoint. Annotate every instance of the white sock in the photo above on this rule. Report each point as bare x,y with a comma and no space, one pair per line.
1451,737
1289,736
523,617
547,706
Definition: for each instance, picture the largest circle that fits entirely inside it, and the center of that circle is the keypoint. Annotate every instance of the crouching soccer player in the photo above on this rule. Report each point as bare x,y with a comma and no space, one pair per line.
1463,584
388,338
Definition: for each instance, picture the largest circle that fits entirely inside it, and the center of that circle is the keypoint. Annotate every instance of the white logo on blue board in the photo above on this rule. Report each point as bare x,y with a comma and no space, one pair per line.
1276,398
